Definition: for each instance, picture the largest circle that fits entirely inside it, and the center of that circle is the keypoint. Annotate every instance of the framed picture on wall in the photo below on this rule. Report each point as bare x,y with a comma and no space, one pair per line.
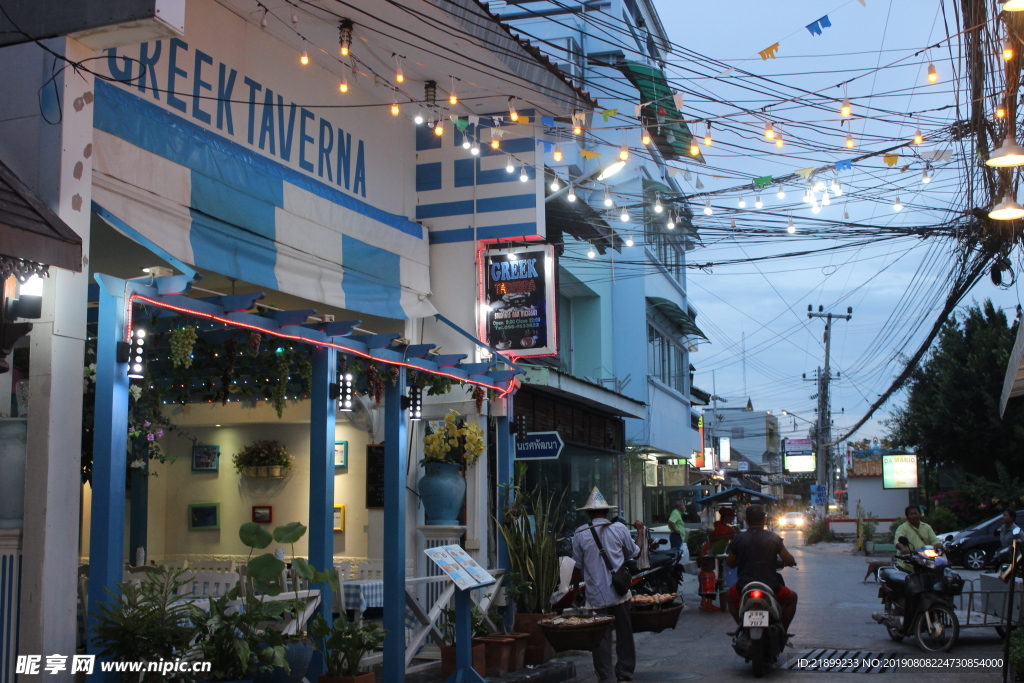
341,453
262,514
339,517
204,516
205,458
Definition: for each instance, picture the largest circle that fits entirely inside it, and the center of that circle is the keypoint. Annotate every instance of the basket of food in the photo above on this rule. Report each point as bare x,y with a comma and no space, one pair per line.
655,613
575,633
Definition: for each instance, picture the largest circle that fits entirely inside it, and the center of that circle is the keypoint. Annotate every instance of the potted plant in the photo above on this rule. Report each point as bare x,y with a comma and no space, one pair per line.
264,572
147,621
447,627
234,639
264,458
530,525
867,529
446,451
344,643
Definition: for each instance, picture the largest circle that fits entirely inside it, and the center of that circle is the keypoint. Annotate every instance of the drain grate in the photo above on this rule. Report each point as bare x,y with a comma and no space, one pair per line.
840,661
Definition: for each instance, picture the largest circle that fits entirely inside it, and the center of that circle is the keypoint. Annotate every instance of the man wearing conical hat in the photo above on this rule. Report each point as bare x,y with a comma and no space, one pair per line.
597,577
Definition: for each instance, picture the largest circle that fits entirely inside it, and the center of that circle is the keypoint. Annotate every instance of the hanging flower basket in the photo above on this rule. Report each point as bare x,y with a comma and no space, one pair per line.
263,460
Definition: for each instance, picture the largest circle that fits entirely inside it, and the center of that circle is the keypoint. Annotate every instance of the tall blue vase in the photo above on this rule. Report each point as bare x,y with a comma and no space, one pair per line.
442,490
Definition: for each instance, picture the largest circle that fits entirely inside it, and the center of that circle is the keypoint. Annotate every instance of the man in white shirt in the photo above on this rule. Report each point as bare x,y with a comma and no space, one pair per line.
601,595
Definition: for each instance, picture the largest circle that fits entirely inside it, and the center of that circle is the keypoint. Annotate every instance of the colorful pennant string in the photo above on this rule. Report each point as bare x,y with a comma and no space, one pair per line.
844,165
815,26
589,154
769,52
891,159
608,113
762,182
804,173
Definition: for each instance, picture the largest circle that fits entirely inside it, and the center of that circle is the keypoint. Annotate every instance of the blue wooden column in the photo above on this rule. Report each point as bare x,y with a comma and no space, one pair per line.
110,448
395,467
506,444
322,413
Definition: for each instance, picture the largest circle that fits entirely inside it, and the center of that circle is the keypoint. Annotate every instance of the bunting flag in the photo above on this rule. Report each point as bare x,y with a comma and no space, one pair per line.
589,154
769,52
844,165
473,120
548,146
608,113
497,133
636,110
579,118
728,72
804,173
699,185
677,99
942,155
891,159
460,123
673,172
863,3
762,182
524,120
815,26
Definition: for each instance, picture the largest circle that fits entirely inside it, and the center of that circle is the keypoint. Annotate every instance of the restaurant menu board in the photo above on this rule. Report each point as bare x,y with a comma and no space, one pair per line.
459,566
519,298
374,476
899,471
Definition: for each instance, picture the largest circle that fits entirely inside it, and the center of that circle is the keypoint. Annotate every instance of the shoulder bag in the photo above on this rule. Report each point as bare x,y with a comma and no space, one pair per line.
621,578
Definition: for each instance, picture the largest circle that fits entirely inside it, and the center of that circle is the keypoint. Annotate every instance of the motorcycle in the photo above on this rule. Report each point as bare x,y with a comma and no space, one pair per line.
919,603
761,636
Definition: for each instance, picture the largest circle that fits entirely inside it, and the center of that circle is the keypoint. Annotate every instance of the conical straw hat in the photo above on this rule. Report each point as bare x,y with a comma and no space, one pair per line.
597,502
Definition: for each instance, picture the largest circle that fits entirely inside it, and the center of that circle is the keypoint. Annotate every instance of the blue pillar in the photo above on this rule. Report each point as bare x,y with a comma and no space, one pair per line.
138,524
506,444
109,461
464,671
395,467
321,481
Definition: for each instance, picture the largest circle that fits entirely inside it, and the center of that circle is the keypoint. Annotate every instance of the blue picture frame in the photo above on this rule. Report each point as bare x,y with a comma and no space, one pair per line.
205,458
340,454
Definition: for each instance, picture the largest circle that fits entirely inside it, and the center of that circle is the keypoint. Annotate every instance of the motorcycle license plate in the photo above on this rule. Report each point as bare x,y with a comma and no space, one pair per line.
757,618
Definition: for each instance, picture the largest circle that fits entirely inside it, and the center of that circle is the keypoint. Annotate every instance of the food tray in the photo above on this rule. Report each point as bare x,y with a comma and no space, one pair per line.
575,633
655,620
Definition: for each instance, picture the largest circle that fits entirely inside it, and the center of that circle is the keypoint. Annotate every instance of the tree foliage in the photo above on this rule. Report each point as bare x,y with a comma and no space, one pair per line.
952,410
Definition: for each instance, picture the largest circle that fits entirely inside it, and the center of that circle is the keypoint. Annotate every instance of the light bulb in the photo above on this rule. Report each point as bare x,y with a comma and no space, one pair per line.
1007,155
1000,112
465,142
671,224
1007,50
345,36
558,153
849,141
897,205
343,87
769,131
694,149
590,252
926,177
522,175
757,202
629,240
707,208
495,144
837,190
732,224
263,21
555,185
508,166
512,256
658,208
608,199
344,50
512,113
846,215
918,138
453,99
624,216
742,202
577,129
815,208
819,185
399,76
781,194
791,228
933,75
623,153
304,58
1006,210
438,129
394,109
475,149
645,138
295,18
1013,6
808,196
707,137
845,110
778,142
572,195
825,201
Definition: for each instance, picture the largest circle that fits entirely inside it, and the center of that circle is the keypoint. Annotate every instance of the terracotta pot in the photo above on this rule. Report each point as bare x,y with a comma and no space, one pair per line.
517,660
498,651
448,660
361,678
538,649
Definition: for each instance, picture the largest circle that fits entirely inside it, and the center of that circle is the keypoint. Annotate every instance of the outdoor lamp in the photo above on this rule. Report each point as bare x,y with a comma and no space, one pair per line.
1007,155
342,391
133,352
414,402
1006,210
29,303
611,170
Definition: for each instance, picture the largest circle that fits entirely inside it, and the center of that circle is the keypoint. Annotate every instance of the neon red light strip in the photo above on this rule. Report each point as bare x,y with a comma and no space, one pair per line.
304,340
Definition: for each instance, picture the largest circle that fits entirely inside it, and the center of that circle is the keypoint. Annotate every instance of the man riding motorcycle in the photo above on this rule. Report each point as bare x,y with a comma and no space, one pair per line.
756,552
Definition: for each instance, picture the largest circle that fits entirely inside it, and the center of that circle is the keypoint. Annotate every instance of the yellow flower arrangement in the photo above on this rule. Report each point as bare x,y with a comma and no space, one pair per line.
455,441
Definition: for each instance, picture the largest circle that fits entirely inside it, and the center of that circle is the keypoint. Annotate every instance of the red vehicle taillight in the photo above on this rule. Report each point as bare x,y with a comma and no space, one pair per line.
756,594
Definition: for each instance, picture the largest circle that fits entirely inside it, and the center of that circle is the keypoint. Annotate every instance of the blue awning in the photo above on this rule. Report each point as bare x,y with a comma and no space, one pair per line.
735,491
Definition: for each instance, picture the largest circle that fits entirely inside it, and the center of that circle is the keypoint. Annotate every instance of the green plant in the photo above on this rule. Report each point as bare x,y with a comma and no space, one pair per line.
868,527
344,643
530,524
447,624
1017,651
941,520
262,453
146,622
233,640
695,542
819,531
896,524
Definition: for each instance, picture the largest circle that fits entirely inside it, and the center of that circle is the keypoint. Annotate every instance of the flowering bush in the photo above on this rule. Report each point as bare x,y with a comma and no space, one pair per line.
455,441
261,454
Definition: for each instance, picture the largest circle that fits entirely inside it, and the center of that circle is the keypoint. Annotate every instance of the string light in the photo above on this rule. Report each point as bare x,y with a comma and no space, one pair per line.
933,75
624,216
295,19
758,204
778,141
781,194
694,149
555,185
849,141
572,194
1013,6
825,201
1000,112
808,196
1007,50
732,223
343,87
926,175
918,138
465,141
658,208
846,110
897,205
475,149
815,207
791,228
577,129
769,131
513,115
590,252
671,224
522,174
819,185
439,128
263,21
495,143
399,76
707,208
645,138
453,99
394,108
629,240
608,199
304,58
742,202
558,153
623,153
707,135
345,36
837,190
508,166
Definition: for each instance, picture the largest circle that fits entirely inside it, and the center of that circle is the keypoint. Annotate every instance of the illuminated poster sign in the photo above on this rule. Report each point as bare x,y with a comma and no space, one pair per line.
899,471
519,300
801,463
698,456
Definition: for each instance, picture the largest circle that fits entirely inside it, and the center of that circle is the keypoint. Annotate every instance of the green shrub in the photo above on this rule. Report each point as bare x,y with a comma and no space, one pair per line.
942,520
1017,651
818,532
695,542
893,527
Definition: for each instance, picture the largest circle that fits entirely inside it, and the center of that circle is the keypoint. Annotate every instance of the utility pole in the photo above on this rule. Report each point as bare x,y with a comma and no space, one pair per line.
715,417
824,430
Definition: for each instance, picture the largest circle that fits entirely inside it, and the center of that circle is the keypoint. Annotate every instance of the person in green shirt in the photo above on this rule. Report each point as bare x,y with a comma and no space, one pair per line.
676,528
918,533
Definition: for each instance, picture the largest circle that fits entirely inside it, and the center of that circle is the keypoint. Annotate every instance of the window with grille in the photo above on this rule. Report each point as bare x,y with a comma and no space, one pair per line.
665,359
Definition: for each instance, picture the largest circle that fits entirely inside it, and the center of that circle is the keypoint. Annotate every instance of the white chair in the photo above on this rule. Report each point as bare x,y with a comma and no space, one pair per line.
222,566
174,565
344,571
371,569
209,584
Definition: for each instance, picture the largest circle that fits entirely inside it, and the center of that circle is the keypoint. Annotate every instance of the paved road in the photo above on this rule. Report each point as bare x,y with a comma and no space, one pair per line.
834,613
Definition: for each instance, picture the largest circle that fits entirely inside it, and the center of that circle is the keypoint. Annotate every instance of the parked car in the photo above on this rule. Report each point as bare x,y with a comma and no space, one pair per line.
792,520
975,547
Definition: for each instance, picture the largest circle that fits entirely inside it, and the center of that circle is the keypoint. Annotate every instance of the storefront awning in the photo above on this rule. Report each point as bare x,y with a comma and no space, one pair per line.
31,231
675,315
733,492
668,131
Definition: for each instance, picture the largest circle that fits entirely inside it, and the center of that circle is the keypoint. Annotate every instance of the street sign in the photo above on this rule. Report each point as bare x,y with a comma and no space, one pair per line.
539,446
799,447
819,494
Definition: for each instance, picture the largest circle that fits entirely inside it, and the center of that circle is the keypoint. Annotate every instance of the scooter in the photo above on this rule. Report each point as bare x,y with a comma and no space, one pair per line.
919,604
761,636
